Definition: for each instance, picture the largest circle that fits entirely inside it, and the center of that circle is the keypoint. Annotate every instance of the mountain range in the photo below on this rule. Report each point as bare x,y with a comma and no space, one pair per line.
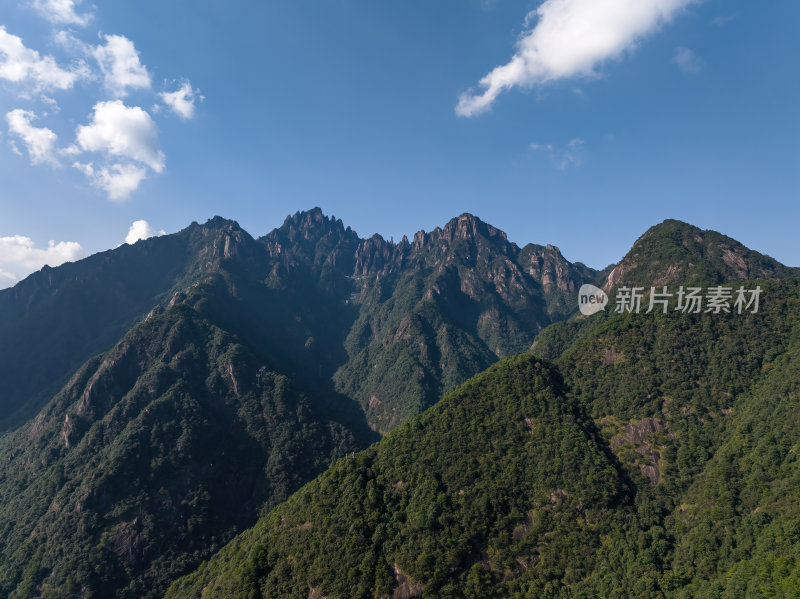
163,402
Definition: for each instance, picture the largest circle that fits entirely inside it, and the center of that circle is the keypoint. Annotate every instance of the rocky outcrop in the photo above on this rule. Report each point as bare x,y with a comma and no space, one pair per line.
406,588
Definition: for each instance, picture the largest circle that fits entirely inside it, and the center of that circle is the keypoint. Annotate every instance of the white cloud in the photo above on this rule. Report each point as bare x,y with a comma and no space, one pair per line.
564,156
119,181
51,102
122,131
181,101
141,229
573,155
40,141
537,146
19,256
7,279
67,40
570,38
20,64
128,138
119,62
62,12
118,148
687,60
723,20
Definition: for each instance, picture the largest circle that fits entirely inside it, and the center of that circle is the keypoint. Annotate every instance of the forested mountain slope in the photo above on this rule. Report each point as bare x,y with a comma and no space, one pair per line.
696,423
502,487
57,318
152,456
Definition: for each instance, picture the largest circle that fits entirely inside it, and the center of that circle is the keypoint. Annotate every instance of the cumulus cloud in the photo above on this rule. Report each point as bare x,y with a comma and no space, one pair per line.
570,38
118,147
687,60
119,180
122,131
120,64
128,139
181,101
141,229
20,64
62,12
19,256
40,141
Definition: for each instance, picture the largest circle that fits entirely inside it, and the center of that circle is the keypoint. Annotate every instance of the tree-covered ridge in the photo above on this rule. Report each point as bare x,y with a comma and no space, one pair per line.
501,489
738,528
697,419
701,410
395,325
151,458
674,252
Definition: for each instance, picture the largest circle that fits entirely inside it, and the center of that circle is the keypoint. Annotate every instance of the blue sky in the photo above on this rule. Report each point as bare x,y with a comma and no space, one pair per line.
603,118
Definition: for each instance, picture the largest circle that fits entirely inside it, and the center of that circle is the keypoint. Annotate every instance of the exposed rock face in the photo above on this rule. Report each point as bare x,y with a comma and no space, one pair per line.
640,437
377,256
610,356
616,275
467,227
546,264
736,262
637,432
406,588
442,307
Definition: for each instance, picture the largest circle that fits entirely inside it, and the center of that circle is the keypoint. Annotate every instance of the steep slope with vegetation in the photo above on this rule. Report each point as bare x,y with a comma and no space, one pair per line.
422,316
701,410
696,416
738,529
501,489
57,318
131,474
400,322
152,456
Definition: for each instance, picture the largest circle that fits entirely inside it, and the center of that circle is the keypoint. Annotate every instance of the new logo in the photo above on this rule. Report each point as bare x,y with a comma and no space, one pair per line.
591,299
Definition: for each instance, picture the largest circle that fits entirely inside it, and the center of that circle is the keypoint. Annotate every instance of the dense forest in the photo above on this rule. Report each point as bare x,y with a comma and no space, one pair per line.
668,469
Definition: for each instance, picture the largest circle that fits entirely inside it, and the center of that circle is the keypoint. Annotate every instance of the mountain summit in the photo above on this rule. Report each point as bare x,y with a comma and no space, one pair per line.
676,252
57,318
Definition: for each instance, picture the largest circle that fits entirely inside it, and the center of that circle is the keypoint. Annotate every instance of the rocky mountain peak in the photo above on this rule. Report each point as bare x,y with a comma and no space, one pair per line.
468,226
307,233
217,223
546,264
312,225
376,255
